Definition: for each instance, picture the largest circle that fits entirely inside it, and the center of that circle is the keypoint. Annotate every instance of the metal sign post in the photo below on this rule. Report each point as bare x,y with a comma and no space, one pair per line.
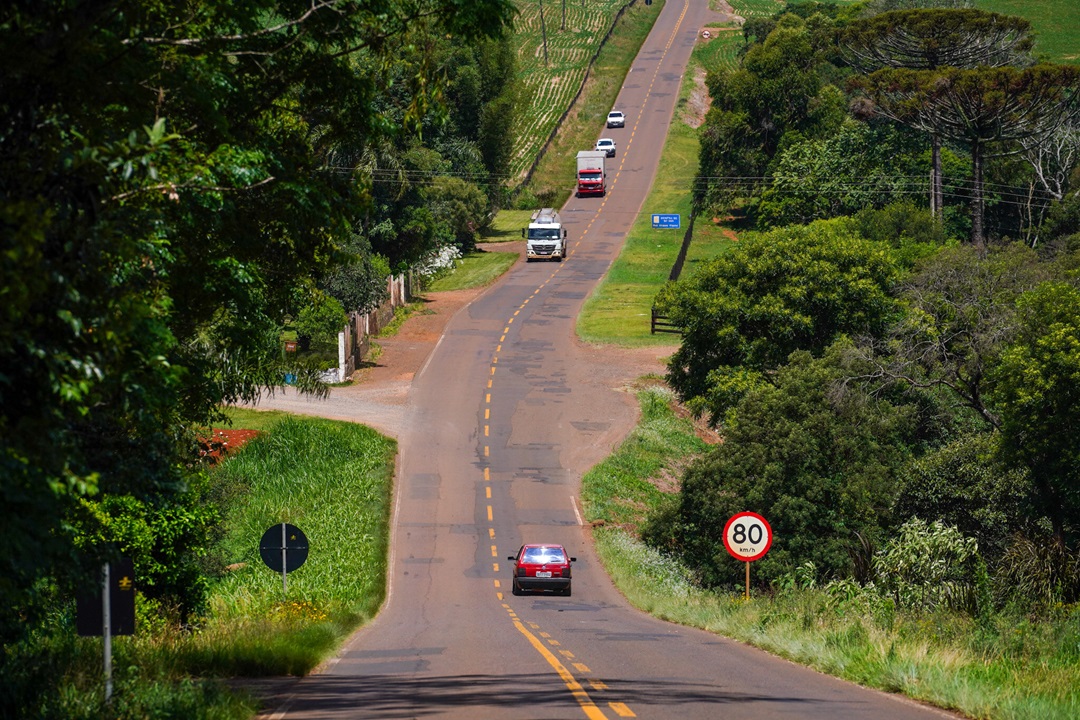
283,548
106,630
284,573
107,610
747,537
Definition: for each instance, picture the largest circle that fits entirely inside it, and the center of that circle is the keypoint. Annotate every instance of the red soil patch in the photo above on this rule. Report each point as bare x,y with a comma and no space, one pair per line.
223,441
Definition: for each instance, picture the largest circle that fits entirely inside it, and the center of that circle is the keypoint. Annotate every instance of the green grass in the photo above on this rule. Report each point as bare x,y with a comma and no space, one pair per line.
619,310
1056,24
1003,666
507,226
477,269
332,480
284,476
618,490
261,420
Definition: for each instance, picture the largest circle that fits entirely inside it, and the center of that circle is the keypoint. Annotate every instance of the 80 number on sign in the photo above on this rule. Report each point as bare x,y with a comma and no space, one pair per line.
747,536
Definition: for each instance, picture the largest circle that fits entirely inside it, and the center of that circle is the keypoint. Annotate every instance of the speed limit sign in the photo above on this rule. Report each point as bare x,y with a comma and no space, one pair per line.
747,536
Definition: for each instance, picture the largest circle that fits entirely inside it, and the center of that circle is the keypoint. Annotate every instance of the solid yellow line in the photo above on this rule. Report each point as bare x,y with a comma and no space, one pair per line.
591,710
621,710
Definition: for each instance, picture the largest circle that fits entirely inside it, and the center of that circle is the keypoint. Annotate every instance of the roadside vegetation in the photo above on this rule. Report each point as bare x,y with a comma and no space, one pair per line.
889,386
1005,664
894,377
176,666
476,269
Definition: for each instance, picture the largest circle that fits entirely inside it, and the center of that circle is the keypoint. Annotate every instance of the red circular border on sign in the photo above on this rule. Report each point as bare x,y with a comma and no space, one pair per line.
743,557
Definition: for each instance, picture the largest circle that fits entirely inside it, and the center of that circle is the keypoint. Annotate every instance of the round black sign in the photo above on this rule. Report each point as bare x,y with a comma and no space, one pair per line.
291,539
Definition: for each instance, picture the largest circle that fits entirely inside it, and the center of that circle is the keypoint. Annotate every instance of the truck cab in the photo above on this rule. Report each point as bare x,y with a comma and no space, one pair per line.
545,238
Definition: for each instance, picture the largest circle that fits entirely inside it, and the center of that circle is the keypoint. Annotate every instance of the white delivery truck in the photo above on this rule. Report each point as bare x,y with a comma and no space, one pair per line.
591,173
545,238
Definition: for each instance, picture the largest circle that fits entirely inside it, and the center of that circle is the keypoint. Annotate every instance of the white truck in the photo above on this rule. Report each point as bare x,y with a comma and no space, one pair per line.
591,173
545,238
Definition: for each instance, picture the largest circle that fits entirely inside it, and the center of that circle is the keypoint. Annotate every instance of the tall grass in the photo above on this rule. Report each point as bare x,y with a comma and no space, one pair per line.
333,481
1004,665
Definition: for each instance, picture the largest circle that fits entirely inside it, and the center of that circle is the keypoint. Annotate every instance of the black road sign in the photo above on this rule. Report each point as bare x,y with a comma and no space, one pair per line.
89,608
295,544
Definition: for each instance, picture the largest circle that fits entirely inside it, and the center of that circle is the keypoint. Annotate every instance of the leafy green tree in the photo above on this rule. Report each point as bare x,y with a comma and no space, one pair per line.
1038,400
359,282
321,319
156,220
794,288
817,458
963,484
959,317
913,232
776,93
461,206
862,165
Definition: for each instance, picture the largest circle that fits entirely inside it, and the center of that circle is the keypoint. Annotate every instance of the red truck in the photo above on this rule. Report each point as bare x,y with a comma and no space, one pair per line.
591,175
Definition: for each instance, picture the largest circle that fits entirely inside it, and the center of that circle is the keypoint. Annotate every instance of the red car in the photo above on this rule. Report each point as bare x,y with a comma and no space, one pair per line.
542,567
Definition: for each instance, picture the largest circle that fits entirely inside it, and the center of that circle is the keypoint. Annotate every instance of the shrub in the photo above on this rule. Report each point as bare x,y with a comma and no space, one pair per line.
931,565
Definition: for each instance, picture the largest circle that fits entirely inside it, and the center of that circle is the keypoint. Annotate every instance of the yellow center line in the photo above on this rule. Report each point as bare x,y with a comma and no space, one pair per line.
591,710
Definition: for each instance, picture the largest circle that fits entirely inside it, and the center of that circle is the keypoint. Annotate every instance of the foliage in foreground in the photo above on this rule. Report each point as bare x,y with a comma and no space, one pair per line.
330,479
1000,663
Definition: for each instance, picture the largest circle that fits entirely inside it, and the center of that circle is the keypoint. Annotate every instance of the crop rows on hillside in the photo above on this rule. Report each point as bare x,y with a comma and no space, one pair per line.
550,87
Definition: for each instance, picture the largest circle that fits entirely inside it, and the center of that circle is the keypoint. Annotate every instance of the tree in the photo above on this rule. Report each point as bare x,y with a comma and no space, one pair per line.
156,222
991,109
928,39
794,288
862,165
776,93
1038,399
959,317
816,458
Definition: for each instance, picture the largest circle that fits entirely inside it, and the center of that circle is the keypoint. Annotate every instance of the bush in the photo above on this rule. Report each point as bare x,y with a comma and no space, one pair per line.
931,565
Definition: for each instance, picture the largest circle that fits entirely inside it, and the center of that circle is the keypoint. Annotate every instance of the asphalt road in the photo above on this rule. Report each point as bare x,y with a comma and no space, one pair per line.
498,427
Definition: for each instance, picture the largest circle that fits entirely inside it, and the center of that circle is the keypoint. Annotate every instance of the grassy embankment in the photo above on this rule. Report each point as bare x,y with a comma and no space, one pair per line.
330,479
1003,666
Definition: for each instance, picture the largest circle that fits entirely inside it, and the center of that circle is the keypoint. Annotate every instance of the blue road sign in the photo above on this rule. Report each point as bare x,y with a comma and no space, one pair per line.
665,221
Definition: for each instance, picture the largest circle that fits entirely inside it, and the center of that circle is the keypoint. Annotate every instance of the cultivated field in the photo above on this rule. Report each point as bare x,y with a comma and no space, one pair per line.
550,83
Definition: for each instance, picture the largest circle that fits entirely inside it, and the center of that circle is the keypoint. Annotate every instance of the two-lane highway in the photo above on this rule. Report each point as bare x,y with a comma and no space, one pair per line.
502,420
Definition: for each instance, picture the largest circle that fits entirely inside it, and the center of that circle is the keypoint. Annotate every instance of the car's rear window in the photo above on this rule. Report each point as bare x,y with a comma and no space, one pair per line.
544,555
